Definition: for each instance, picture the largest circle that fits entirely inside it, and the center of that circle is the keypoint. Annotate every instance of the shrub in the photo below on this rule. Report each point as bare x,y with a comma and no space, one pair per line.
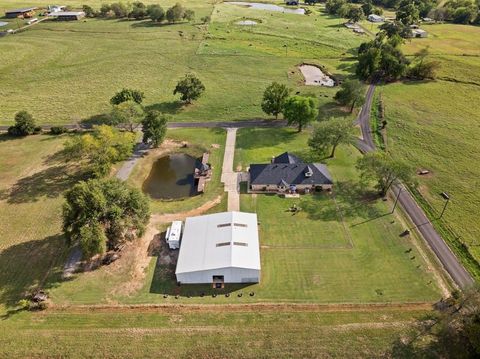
58,130
24,125
127,95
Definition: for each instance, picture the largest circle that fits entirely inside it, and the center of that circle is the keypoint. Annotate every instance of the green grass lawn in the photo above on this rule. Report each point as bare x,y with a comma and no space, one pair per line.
434,125
185,333
65,72
31,185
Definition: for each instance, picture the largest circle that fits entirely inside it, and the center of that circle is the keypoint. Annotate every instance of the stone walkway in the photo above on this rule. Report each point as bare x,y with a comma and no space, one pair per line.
229,177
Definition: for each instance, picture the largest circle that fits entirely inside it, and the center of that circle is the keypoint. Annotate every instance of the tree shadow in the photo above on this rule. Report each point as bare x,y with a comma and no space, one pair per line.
350,200
95,120
31,265
150,23
50,182
169,107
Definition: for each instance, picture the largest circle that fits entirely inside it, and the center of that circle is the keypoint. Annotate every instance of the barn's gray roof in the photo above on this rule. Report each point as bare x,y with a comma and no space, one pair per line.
21,10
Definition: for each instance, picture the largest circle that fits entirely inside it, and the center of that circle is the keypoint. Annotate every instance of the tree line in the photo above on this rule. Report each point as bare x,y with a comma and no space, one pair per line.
139,11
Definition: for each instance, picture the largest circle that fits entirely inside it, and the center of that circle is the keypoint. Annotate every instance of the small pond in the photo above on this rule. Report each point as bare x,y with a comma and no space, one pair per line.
314,76
171,177
269,7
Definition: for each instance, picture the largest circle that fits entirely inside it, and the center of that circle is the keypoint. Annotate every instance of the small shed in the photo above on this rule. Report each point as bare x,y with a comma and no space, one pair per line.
67,15
375,18
419,33
26,12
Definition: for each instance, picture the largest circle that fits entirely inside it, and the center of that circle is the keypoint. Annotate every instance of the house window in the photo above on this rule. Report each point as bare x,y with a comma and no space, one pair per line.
240,225
224,225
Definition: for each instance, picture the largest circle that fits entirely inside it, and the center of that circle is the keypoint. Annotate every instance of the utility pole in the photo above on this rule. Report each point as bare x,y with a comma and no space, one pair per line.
447,198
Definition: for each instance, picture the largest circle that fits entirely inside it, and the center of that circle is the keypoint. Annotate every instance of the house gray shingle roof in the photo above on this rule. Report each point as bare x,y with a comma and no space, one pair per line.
286,158
22,10
289,173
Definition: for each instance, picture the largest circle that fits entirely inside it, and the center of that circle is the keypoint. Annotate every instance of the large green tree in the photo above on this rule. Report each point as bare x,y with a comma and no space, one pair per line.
128,114
156,12
384,170
154,127
24,124
99,150
101,214
328,134
300,111
127,95
175,13
408,12
274,98
190,88
351,94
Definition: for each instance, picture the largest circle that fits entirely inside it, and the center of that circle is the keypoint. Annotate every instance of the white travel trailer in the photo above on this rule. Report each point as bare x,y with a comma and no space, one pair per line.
174,235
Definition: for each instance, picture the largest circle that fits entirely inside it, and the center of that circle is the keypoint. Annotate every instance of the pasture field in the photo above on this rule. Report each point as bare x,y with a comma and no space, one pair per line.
66,72
31,184
207,332
435,126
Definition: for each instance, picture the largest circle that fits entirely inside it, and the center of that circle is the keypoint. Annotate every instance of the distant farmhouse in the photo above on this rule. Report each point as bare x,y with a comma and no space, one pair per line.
219,248
25,13
288,174
375,18
67,15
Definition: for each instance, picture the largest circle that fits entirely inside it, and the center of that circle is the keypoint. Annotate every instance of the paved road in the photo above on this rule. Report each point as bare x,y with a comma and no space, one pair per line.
201,124
449,261
127,168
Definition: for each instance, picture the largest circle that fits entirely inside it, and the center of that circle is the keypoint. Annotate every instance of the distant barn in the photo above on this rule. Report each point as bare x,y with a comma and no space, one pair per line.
67,15
25,12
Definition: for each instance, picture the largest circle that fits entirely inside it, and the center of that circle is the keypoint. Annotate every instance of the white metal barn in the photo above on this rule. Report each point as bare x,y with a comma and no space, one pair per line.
219,248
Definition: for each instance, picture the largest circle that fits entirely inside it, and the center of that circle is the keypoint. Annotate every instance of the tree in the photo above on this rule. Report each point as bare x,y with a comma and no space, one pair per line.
99,150
407,13
127,95
24,125
332,6
351,94
190,88
175,13
396,28
331,133
206,19
156,13
368,63
128,114
139,10
105,9
355,14
102,214
120,9
422,68
274,98
383,169
300,111
189,15
89,11
154,128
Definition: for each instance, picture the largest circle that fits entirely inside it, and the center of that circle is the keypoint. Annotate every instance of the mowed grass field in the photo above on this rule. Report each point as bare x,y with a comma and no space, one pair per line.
206,333
31,185
66,72
435,126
